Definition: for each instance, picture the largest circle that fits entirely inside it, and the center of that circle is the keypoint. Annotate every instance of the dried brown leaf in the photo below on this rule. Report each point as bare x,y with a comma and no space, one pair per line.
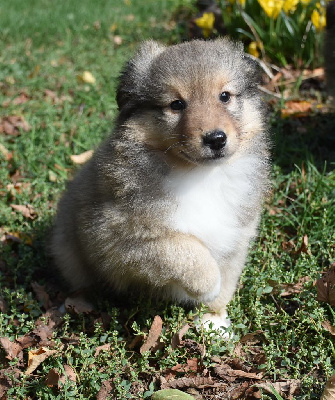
192,365
69,375
44,333
153,336
198,382
99,349
178,337
27,340
329,390
21,99
238,392
325,287
330,328
225,371
13,125
53,318
41,294
12,349
284,388
6,381
297,108
106,390
303,247
26,210
81,158
251,338
36,357
293,288
52,378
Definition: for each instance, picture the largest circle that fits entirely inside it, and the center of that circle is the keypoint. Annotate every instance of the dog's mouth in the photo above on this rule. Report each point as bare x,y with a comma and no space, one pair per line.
214,156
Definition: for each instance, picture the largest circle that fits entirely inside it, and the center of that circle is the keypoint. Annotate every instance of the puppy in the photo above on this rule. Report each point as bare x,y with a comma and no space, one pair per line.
170,202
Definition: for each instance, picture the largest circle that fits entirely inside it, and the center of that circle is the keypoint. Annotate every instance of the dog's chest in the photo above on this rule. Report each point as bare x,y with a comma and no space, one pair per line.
209,205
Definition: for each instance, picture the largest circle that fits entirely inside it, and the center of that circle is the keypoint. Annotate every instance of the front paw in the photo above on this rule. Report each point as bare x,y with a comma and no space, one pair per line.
215,322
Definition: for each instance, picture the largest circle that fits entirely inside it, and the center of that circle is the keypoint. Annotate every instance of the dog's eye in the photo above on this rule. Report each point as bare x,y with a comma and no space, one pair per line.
178,105
225,97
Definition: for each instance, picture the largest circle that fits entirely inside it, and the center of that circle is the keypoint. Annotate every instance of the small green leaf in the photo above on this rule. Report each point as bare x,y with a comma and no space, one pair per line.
171,394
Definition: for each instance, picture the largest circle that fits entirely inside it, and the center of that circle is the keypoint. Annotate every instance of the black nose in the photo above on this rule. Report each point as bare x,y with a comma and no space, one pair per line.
215,140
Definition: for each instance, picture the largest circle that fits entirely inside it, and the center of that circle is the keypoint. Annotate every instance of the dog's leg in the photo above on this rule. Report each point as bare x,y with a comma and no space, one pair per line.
231,270
178,262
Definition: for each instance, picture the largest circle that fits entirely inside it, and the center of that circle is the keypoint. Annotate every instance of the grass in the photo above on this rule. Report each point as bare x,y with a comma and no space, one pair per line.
44,46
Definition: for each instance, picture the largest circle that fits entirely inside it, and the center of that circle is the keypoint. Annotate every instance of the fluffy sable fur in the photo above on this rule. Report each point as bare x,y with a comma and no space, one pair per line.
170,202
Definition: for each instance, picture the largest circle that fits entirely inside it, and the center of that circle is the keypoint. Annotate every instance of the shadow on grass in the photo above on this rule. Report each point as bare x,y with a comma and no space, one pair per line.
305,139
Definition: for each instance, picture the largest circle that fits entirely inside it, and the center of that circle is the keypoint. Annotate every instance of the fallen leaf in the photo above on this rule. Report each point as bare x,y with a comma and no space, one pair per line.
12,349
86,77
53,318
252,338
27,340
56,379
17,237
178,337
329,390
192,365
7,380
52,378
326,287
285,388
36,357
184,383
44,333
81,158
297,108
153,336
21,99
99,349
330,328
303,247
239,391
13,125
26,210
78,305
69,375
225,371
106,390
41,294
293,288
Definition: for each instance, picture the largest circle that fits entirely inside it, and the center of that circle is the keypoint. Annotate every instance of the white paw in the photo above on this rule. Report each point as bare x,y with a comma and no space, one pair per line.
215,322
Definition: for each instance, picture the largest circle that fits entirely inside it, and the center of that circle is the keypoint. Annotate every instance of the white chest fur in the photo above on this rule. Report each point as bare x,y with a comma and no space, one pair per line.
210,201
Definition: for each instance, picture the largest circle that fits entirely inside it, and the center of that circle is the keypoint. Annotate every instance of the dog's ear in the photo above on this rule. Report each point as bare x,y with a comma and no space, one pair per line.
135,74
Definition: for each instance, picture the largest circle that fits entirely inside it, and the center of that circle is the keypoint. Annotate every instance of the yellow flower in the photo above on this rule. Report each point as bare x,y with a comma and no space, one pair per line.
319,17
252,49
305,2
272,7
290,6
206,23
242,2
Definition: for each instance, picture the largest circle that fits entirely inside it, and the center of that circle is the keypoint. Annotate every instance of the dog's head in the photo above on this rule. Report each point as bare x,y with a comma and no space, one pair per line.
197,101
